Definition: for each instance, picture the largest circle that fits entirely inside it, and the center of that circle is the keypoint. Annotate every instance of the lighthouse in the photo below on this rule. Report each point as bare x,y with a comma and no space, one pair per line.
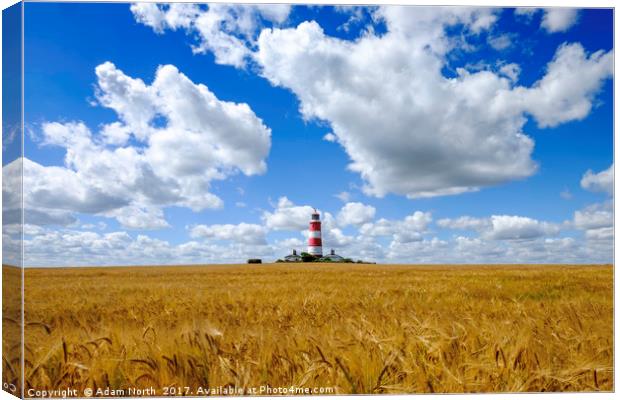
315,246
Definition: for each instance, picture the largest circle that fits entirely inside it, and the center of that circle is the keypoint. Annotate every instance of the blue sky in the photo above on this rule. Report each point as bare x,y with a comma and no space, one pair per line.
11,115
413,195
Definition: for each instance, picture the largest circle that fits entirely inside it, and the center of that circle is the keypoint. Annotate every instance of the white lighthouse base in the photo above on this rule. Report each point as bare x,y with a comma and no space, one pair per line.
316,251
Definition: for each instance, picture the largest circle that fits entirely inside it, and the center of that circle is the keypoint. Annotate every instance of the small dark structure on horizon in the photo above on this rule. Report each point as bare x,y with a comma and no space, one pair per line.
255,261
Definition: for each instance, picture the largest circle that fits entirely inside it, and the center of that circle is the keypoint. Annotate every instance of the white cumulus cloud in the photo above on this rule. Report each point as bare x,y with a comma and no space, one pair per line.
201,139
502,227
356,214
240,233
526,13
594,216
406,127
559,19
600,234
330,137
568,89
464,223
287,216
508,227
409,229
226,30
343,196
599,182
511,71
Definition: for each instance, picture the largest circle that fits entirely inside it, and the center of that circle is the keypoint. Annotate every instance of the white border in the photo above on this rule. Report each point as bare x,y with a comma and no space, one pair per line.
485,3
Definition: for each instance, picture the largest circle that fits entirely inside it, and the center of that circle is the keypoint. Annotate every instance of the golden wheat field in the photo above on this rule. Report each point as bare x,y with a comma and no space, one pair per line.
341,328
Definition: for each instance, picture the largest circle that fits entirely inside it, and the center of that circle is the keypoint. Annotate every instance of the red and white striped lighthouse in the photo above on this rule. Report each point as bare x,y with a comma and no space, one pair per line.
315,246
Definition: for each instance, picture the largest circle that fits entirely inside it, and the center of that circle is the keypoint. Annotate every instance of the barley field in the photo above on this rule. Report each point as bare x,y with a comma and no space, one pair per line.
366,329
